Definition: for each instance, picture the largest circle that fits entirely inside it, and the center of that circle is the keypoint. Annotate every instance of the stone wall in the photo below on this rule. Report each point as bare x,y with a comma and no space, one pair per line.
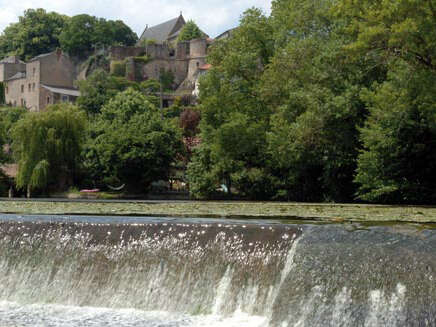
57,70
13,93
33,79
120,53
7,70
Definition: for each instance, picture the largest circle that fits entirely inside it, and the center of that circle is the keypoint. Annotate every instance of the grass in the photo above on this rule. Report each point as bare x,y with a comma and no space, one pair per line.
318,212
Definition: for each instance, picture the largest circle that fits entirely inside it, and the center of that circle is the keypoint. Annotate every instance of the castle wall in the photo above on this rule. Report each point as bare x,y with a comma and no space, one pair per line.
120,52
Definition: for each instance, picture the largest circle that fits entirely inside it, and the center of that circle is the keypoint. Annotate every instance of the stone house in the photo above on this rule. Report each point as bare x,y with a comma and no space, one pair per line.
44,80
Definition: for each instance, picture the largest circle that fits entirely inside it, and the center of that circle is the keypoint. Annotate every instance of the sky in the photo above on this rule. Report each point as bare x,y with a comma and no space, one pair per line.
212,16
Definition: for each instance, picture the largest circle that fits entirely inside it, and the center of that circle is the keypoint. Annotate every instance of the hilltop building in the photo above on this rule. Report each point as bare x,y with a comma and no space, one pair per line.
44,80
166,32
183,60
50,78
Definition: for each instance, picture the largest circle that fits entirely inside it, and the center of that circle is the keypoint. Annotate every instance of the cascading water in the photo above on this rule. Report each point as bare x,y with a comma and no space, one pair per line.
93,271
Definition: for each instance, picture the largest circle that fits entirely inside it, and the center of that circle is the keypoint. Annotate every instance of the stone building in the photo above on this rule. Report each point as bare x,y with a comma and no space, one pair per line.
44,80
165,32
183,60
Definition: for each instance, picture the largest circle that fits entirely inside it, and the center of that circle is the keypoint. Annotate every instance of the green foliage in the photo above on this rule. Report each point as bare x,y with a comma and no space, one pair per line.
398,161
84,33
142,59
8,117
281,108
147,42
234,118
130,143
167,79
36,32
118,68
391,30
189,32
98,89
47,146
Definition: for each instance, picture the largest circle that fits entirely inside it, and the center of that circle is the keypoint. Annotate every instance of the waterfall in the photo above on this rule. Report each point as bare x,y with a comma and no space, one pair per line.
187,272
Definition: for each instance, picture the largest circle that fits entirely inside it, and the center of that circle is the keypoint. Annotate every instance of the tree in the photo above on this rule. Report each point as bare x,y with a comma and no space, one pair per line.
110,32
234,118
189,32
402,29
130,143
47,145
78,37
313,89
398,161
36,32
85,33
99,88
8,117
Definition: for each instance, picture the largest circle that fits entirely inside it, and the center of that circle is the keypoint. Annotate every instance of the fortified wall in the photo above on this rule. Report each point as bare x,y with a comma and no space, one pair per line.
143,63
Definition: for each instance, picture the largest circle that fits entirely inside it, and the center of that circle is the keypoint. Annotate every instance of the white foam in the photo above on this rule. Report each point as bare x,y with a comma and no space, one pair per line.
40,315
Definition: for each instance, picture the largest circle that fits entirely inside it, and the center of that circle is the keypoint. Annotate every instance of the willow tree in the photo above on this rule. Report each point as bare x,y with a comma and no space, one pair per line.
47,146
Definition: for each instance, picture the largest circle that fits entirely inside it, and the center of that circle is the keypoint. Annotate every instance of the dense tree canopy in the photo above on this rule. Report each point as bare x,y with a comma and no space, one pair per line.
130,143
323,100
36,32
84,33
98,89
331,100
47,146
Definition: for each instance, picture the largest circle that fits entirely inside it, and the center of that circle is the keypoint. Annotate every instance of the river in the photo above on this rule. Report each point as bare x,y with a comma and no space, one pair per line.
142,271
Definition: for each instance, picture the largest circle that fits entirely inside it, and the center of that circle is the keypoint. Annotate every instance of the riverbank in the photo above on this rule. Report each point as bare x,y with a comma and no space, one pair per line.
307,211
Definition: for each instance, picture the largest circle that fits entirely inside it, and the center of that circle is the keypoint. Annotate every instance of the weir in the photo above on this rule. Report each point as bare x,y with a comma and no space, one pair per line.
78,271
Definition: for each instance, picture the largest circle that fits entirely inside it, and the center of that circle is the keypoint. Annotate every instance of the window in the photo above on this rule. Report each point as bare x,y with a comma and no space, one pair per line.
65,98
34,71
48,100
22,88
30,87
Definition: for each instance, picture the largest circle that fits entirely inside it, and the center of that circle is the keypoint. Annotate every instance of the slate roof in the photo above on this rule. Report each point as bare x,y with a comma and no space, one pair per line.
17,76
41,56
62,90
160,33
11,60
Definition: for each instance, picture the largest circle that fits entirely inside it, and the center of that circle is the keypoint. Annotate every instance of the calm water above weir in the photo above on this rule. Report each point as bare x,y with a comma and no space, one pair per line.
107,271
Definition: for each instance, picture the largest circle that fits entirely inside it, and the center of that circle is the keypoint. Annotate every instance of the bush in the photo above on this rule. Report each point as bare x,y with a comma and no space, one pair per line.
118,68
